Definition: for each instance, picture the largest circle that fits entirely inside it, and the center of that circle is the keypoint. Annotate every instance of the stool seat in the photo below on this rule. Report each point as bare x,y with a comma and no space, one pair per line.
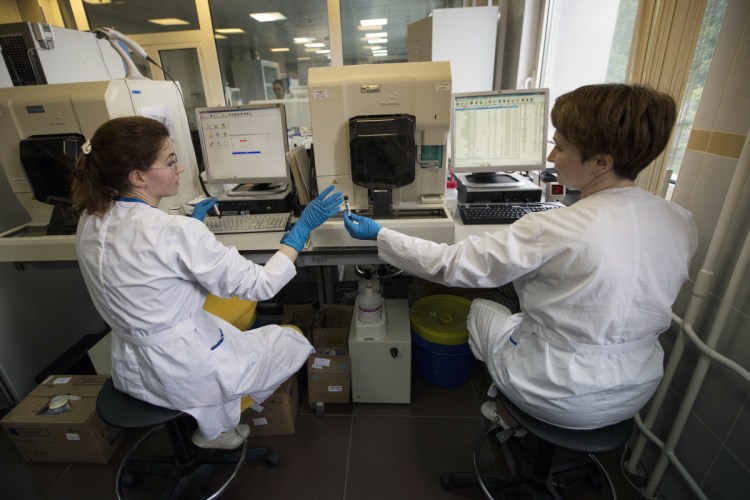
181,472
122,410
584,441
533,471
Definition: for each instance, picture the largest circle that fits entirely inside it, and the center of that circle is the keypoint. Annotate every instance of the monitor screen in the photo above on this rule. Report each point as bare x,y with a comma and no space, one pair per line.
499,130
244,144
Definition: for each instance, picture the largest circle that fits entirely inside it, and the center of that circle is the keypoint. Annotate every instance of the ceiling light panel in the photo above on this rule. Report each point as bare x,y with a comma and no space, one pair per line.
267,17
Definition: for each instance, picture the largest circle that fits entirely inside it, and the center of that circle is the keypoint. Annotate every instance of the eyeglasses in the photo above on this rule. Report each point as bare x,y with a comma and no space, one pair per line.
172,165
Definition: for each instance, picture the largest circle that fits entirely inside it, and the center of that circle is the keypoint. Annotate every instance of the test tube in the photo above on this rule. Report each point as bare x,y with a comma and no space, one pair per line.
347,209
217,213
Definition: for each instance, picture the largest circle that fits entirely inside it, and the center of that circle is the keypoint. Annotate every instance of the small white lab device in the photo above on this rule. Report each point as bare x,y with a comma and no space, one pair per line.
380,134
380,346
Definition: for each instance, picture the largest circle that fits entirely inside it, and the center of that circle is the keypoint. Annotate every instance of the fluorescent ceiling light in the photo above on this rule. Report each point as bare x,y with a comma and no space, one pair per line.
316,44
374,47
168,21
303,40
95,2
265,17
280,49
373,22
324,51
370,28
382,34
230,31
379,54
219,36
303,58
377,40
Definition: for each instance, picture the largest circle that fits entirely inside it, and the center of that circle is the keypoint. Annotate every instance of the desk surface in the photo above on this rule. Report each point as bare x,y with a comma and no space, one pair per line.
29,244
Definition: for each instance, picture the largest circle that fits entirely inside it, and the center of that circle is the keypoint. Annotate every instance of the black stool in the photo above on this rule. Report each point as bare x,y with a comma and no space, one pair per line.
182,470
536,470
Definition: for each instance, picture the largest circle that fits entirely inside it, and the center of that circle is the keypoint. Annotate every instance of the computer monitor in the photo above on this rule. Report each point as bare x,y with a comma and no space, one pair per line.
499,131
244,144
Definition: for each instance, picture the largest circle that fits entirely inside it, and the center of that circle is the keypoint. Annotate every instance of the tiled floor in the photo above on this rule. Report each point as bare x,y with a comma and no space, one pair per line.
355,452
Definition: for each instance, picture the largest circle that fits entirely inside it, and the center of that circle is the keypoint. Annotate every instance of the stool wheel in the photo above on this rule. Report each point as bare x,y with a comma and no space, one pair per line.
445,483
273,461
129,480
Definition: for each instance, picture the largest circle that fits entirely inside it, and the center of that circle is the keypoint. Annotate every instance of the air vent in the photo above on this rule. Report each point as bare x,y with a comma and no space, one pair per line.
17,60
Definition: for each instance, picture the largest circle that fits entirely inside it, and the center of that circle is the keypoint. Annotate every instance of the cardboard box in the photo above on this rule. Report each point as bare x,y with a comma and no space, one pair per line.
76,434
277,415
331,327
299,315
329,376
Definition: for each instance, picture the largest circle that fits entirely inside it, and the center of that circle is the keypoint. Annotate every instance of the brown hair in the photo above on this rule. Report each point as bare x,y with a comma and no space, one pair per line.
117,147
632,123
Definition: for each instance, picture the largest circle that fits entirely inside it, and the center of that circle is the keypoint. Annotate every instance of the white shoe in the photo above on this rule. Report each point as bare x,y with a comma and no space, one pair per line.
489,411
226,441
243,430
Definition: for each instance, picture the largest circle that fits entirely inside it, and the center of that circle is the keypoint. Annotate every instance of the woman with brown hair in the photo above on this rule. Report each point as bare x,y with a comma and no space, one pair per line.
149,273
595,280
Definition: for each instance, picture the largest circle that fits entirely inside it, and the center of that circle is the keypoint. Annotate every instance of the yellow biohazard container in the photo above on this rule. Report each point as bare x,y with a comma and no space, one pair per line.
440,339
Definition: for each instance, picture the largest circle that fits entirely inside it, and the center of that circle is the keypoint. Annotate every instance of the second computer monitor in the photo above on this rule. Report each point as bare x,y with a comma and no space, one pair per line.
244,144
499,131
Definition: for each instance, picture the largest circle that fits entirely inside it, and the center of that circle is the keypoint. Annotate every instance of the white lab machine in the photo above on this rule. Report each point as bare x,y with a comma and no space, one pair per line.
380,347
37,53
380,134
80,108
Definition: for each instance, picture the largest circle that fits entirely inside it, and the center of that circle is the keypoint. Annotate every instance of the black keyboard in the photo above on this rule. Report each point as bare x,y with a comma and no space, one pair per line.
500,213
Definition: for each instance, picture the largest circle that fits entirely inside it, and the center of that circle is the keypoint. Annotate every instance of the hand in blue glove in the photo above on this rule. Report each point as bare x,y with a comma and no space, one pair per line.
316,213
202,207
361,228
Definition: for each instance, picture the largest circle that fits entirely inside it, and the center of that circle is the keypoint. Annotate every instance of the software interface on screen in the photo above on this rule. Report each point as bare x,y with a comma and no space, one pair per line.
244,144
499,131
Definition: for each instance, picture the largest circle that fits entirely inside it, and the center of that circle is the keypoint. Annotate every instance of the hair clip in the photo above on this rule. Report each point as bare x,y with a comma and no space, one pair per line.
86,148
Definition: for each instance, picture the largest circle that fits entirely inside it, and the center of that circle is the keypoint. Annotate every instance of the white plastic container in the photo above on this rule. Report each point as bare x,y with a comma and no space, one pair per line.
451,196
369,303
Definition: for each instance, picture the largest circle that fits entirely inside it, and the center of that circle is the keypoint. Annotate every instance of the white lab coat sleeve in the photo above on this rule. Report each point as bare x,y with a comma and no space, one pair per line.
487,261
222,270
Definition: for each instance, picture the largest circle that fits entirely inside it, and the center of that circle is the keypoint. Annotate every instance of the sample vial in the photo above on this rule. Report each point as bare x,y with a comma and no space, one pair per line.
347,209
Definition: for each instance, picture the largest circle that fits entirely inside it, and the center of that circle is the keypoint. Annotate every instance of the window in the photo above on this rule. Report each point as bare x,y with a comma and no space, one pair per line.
577,51
704,51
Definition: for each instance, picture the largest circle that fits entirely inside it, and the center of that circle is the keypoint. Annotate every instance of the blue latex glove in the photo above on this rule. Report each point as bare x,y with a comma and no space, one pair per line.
362,228
316,213
202,207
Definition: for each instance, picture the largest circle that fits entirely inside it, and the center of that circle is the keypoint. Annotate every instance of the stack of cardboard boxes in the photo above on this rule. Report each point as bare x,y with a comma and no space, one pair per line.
329,367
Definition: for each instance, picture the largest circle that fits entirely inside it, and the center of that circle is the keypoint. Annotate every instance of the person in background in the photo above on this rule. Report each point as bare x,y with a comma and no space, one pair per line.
148,274
595,280
278,89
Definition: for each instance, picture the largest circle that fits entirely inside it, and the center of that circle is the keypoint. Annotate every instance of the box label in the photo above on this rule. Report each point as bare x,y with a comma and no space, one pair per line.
72,436
321,363
335,388
260,421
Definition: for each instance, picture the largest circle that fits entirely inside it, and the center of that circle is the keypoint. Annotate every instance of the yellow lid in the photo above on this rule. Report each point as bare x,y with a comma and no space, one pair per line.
441,319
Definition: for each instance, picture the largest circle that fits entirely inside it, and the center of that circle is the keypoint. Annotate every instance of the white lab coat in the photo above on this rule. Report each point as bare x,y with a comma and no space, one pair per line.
148,274
595,281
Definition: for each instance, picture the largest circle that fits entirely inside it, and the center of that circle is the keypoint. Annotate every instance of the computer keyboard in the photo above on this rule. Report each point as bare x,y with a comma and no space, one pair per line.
253,223
500,213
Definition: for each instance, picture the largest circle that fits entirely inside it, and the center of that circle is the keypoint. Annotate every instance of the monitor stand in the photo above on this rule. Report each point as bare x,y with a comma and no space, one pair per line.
491,180
259,190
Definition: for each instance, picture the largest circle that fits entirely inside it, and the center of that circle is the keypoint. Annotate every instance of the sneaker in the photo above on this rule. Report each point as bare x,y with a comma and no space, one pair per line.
489,411
226,441
243,430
